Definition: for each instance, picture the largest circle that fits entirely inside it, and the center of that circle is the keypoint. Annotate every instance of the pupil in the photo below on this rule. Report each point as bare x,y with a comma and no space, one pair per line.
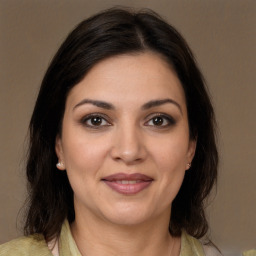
158,121
96,120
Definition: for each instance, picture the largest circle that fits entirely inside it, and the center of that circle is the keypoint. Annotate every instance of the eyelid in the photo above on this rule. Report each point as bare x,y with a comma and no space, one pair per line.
171,121
89,116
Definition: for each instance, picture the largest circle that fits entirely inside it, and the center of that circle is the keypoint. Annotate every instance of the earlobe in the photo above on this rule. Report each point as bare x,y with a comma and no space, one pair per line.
188,166
58,147
191,152
59,152
60,166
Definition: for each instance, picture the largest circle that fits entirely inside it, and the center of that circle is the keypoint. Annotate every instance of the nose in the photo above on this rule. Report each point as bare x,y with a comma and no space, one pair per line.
128,145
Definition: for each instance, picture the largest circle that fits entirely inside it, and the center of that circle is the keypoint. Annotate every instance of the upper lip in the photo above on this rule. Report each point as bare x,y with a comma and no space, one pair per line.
124,176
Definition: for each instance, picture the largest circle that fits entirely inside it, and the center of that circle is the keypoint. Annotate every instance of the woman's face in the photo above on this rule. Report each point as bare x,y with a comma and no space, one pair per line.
125,139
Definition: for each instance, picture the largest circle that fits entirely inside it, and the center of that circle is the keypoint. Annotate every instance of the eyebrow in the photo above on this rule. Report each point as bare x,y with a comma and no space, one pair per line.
156,103
109,106
97,103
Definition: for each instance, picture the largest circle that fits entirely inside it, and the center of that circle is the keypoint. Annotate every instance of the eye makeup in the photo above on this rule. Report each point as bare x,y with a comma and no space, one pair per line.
160,120
95,121
100,121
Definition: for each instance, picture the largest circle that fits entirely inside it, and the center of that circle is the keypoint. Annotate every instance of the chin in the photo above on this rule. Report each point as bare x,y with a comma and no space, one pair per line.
129,215
128,220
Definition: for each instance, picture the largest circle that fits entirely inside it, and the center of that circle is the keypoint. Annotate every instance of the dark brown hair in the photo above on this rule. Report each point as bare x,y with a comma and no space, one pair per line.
109,33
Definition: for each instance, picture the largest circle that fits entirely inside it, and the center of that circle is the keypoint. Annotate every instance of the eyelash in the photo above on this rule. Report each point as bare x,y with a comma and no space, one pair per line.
170,120
166,118
95,115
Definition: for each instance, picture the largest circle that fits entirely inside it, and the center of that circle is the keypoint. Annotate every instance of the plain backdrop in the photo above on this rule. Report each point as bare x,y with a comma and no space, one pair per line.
222,36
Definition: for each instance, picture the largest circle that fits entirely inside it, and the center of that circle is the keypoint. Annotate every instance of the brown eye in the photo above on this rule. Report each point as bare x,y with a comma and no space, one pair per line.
161,121
96,120
158,120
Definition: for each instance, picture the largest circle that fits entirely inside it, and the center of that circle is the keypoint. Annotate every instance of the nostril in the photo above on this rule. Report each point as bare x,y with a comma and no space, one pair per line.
128,147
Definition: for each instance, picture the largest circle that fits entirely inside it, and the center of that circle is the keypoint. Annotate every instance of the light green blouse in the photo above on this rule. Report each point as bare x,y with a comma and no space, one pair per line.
35,245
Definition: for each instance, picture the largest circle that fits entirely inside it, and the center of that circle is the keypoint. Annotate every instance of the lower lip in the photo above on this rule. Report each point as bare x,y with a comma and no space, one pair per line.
128,189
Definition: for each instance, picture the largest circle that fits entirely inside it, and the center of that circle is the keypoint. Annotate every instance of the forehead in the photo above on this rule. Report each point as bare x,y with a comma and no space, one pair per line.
130,78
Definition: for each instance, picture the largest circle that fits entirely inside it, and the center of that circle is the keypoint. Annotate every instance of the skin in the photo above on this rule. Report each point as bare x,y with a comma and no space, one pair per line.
127,140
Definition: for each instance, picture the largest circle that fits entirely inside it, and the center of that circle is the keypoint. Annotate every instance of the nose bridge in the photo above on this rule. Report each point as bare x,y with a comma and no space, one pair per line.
128,143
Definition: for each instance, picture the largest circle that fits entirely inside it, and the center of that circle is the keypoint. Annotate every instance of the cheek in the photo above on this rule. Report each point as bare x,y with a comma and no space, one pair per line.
83,164
171,154
83,155
170,160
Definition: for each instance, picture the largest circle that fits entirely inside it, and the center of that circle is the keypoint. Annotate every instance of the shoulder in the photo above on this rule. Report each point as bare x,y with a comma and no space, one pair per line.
30,245
193,246
190,245
211,251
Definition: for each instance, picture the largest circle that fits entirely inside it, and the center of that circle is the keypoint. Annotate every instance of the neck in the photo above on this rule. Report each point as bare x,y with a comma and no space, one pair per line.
95,236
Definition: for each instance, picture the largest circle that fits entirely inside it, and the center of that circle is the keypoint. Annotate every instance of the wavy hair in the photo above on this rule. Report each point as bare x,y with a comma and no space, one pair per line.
110,33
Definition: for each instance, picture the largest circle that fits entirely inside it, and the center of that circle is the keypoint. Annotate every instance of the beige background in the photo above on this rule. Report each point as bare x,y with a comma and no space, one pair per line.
222,36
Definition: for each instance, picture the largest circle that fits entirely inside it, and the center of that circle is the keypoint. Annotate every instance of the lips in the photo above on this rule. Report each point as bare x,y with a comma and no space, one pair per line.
128,184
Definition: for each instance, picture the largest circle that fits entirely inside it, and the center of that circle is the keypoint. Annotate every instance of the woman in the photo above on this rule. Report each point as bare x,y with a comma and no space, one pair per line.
124,112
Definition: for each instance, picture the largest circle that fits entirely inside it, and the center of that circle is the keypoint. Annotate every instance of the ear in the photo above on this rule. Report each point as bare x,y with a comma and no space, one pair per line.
191,152
59,152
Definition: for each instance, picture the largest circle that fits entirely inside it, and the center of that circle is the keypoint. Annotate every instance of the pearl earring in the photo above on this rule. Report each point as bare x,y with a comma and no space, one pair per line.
188,165
60,166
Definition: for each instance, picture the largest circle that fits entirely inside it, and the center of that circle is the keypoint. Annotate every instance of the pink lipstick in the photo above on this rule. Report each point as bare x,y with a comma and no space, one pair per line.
128,184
